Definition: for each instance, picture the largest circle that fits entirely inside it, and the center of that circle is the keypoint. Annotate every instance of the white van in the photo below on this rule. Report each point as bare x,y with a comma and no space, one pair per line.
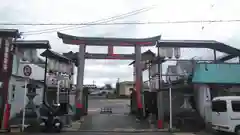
226,114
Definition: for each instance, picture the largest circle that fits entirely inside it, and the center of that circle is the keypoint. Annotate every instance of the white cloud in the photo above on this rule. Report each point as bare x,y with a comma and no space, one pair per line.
77,11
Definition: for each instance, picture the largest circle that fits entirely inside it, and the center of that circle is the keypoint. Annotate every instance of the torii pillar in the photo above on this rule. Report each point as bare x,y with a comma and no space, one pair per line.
80,79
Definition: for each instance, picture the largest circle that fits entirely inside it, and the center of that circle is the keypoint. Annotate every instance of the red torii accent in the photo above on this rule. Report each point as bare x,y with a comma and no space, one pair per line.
110,50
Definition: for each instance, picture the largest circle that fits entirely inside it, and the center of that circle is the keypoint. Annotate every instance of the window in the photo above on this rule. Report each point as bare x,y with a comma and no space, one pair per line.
219,106
236,106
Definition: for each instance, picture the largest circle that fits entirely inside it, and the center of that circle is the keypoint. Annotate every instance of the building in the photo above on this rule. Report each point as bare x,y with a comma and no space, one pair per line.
26,56
124,88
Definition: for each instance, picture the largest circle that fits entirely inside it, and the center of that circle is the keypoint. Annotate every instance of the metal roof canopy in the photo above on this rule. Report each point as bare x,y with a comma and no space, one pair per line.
97,41
211,44
55,55
14,33
32,44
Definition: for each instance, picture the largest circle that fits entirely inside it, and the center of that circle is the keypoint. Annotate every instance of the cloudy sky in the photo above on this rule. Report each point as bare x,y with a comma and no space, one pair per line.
79,11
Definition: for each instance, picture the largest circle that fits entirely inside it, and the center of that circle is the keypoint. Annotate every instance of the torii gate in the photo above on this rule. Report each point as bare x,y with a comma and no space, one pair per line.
110,42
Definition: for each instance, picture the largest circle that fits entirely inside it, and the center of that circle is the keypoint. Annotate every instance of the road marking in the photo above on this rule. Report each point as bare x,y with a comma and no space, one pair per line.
93,109
184,133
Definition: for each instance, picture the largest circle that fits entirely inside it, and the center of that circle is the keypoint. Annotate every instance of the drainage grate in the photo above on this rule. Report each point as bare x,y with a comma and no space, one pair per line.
106,110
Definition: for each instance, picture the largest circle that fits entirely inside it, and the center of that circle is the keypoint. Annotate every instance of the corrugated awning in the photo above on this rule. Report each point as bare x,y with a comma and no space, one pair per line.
211,44
32,44
55,55
14,33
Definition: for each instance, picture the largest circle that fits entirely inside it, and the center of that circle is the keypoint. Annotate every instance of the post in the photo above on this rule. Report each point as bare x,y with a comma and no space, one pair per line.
58,92
45,81
138,80
80,76
160,103
24,103
170,105
149,75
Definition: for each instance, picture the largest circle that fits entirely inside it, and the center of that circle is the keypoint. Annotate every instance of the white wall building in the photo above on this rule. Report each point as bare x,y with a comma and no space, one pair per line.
124,88
17,81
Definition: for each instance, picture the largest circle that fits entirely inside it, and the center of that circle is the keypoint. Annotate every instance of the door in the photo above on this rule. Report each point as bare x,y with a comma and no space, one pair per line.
219,113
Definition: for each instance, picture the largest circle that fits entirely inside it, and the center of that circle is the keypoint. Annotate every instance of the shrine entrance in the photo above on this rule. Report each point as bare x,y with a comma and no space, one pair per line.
81,55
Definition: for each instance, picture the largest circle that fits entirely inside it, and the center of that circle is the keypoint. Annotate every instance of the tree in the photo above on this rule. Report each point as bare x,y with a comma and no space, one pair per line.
108,86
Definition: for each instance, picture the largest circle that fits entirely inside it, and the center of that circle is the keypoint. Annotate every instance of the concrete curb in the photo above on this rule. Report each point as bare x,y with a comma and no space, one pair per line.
120,131
124,130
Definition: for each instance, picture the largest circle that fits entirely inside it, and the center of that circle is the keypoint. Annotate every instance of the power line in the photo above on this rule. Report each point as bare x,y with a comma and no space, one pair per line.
105,20
101,20
119,23
122,23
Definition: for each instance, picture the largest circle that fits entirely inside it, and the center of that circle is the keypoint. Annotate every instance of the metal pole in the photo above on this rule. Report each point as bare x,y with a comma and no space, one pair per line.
24,103
58,92
170,106
149,76
138,80
80,77
160,96
45,81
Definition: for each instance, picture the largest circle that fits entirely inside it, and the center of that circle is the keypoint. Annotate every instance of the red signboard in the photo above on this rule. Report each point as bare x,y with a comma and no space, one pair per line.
6,60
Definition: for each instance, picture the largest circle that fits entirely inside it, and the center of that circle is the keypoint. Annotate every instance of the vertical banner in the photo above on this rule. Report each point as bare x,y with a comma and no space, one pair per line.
6,51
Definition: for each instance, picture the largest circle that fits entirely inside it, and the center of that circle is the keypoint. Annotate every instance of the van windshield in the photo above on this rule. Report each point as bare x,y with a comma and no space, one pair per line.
236,106
219,106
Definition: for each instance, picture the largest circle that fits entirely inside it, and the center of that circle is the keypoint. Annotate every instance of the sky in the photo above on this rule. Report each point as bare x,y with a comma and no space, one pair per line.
108,71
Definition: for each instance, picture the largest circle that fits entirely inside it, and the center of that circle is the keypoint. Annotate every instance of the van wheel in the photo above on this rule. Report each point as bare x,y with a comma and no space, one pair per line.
237,130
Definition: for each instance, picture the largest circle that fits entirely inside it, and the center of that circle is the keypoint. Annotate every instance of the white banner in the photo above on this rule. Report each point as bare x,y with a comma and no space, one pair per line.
51,64
154,83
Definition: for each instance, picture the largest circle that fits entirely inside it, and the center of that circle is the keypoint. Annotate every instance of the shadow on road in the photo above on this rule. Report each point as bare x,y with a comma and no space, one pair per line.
112,122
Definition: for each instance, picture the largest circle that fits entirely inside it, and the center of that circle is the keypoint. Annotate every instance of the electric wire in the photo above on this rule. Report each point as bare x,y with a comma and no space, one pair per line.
105,20
124,23
119,23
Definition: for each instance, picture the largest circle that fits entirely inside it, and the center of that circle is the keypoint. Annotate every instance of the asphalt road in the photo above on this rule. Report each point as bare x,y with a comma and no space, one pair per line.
117,120
119,106
95,123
